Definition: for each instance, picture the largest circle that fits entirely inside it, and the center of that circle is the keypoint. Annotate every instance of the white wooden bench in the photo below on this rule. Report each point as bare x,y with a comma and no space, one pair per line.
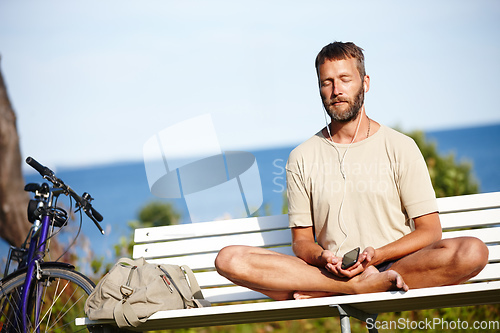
196,245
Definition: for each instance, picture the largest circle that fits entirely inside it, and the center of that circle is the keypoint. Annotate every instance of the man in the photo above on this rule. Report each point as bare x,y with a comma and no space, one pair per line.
355,183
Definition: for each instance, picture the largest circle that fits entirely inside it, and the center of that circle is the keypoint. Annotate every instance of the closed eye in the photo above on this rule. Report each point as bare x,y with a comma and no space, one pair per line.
346,78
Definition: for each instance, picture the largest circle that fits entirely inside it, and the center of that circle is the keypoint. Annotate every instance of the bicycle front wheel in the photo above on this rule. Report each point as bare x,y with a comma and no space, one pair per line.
59,295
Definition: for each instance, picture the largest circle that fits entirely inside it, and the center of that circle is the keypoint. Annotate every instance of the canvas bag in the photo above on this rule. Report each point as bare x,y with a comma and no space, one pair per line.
133,290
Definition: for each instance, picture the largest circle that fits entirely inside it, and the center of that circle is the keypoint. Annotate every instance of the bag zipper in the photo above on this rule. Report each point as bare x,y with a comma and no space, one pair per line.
167,283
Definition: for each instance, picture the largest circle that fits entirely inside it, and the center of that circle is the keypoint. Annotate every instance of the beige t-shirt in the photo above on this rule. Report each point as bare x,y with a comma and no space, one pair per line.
386,184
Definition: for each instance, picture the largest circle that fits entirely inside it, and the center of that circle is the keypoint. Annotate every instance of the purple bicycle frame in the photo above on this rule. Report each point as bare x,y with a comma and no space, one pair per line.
35,254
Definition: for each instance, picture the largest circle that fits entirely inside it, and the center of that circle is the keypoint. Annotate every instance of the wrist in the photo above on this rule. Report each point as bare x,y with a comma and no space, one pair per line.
377,258
323,258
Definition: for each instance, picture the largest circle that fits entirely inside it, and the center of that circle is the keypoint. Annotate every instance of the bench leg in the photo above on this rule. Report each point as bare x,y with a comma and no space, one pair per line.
347,311
345,324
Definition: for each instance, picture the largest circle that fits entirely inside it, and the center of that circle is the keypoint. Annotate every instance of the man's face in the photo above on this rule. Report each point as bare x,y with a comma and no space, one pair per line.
341,88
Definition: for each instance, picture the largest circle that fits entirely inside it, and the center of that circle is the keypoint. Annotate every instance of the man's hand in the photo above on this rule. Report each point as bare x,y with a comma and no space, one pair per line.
366,257
330,260
334,264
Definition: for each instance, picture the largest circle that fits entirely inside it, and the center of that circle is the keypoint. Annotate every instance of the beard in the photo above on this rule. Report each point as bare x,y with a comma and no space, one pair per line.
354,105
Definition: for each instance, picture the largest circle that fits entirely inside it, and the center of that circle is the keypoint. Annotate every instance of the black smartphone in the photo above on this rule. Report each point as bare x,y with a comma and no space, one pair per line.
350,258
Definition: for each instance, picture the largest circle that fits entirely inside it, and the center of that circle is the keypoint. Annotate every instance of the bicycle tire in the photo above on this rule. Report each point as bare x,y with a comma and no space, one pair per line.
63,292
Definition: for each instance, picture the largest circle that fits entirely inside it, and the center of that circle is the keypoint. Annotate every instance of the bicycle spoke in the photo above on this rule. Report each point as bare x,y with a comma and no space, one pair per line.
70,308
54,300
59,296
10,306
59,316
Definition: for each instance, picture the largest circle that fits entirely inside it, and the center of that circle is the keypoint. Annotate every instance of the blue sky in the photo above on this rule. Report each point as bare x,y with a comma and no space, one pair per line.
92,81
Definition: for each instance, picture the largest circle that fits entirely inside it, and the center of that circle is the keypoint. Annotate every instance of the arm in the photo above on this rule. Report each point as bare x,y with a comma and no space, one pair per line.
427,231
305,247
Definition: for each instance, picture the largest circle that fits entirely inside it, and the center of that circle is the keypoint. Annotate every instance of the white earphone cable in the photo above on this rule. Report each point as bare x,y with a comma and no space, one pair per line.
343,226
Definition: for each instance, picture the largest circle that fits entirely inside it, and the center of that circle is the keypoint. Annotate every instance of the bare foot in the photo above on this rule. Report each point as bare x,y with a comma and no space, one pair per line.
370,281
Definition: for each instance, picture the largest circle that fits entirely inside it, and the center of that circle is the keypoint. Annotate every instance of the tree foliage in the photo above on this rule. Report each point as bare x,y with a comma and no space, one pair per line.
154,214
449,178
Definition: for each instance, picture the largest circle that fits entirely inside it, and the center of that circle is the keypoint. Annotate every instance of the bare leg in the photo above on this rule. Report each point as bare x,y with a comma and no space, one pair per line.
371,276
279,276
446,262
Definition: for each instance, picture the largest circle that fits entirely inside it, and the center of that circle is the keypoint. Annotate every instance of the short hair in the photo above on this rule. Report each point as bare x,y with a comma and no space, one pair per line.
342,51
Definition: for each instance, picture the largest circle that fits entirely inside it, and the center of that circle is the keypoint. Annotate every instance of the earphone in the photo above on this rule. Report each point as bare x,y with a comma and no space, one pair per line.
342,225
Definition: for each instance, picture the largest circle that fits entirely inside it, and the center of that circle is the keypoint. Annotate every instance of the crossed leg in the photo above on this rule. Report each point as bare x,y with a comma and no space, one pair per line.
445,262
279,276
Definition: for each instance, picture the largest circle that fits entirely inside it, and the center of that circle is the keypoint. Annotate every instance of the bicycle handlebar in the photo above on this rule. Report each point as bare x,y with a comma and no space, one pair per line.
37,166
83,202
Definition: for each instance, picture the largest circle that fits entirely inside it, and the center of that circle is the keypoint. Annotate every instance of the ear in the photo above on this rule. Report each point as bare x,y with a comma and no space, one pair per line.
366,81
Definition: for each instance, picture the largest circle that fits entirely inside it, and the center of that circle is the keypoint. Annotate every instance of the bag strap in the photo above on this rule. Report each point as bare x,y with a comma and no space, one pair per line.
201,303
173,277
137,262
195,287
125,315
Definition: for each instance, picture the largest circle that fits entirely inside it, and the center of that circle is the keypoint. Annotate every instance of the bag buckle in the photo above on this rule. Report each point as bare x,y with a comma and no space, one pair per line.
126,291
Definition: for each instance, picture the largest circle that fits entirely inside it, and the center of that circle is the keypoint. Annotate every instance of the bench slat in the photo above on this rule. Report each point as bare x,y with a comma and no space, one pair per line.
232,294
469,202
470,219
206,260
490,272
211,279
211,244
494,255
195,262
214,228
487,235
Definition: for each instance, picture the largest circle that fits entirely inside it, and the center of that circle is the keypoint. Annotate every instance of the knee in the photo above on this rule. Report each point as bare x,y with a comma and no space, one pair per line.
471,254
226,259
478,251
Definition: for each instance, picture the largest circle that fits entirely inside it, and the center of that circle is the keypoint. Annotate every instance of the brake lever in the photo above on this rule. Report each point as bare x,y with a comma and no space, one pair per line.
84,203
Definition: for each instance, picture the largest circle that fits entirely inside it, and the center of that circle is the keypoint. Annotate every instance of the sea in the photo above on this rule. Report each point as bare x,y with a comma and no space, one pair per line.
120,190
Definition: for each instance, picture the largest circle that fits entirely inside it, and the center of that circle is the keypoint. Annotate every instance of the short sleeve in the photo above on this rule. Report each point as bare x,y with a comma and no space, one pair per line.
416,191
299,203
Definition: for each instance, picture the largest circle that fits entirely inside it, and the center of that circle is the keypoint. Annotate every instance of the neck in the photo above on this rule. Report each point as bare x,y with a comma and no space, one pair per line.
345,133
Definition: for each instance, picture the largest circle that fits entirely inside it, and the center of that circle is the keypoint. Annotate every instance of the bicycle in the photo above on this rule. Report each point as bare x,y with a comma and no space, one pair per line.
45,296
